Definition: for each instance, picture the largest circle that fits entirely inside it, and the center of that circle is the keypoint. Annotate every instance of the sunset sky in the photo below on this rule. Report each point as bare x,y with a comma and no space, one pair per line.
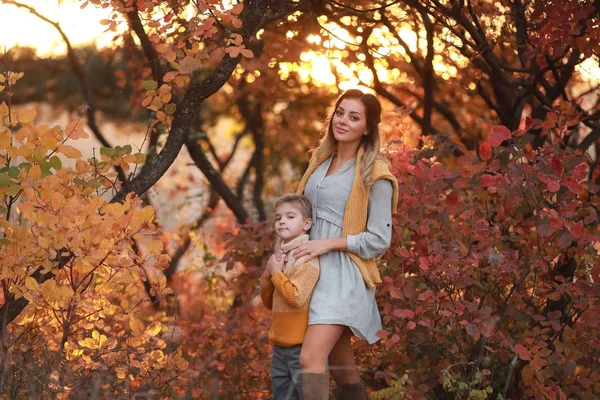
19,27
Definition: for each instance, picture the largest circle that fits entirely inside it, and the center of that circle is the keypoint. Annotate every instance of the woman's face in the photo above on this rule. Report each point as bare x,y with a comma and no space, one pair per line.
349,121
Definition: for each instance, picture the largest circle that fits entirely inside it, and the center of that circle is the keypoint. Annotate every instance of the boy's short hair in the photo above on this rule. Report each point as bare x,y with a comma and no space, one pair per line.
301,201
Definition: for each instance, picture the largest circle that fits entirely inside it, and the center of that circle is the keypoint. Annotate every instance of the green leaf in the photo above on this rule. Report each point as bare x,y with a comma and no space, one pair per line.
14,172
55,163
13,190
107,151
5,180
127,149
149,85
95,183
46,169
4,242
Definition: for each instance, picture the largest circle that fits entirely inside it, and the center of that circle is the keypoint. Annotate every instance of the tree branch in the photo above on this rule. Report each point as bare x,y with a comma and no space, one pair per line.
187,109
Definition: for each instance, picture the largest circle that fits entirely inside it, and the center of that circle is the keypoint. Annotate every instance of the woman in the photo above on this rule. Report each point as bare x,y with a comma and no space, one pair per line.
353,196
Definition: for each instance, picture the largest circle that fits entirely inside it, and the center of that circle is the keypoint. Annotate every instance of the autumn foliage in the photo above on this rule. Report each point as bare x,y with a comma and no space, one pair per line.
491,287
70,254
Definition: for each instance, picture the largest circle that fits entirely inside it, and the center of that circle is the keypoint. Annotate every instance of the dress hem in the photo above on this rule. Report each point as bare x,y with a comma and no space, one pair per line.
354,330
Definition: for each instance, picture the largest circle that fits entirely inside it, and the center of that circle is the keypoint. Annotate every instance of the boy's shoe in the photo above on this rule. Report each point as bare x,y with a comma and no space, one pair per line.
315,386
351,391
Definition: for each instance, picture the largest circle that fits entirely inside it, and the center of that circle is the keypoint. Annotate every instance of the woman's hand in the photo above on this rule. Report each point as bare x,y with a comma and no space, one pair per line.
313,248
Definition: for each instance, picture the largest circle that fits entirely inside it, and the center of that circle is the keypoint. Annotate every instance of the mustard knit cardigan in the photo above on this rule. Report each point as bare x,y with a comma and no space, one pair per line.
355,213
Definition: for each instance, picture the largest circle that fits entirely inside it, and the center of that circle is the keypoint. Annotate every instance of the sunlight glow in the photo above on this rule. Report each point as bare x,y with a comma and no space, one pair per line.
18,27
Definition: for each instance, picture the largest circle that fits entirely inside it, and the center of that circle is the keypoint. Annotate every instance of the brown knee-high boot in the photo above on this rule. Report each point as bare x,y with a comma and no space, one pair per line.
315,386
351,391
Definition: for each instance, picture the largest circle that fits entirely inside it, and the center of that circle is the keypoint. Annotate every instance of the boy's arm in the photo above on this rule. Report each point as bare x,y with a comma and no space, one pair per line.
297,288
266,290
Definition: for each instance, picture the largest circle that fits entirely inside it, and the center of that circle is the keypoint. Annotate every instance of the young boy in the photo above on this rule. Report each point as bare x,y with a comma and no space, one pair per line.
285,289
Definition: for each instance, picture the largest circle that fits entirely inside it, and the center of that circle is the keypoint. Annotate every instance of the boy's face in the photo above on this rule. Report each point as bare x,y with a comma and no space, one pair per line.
289,222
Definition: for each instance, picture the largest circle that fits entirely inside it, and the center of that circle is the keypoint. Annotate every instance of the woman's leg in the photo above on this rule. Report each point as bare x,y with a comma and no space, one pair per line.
341,360
318,344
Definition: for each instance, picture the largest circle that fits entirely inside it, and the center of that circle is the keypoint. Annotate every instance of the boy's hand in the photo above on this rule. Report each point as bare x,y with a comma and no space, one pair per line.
275,264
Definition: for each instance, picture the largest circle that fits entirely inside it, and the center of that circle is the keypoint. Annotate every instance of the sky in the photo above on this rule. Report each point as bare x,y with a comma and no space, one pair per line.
19,27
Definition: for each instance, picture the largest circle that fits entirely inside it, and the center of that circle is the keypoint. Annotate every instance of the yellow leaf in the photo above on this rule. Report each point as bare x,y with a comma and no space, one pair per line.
5,141
136,325
3,109
154,328
26,116
31,283
121,372
69,151
155,247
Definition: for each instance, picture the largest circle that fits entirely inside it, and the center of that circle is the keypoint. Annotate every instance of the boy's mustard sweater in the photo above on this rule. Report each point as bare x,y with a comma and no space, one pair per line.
287,294
355,214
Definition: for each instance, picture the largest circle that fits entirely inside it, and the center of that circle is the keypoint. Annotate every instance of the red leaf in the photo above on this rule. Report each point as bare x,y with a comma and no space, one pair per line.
403,313
383,333
565,240
392,341
522,352
404,253
487,180
424,263
499,134
425,322
486,330
573,186
411,325
425,295
472,329
577,230
485,151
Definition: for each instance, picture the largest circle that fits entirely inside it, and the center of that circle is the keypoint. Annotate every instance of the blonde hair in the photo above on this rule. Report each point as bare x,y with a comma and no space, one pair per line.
302,202
369,142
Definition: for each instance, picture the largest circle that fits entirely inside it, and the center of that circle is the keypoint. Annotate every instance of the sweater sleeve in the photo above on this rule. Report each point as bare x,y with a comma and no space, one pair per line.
378,235
297,288
266,290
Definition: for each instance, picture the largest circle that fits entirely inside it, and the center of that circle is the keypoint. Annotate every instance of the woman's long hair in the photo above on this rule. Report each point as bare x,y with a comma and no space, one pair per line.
369,142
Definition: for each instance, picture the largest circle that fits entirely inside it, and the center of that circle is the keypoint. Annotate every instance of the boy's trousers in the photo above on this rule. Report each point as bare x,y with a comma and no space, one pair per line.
286,373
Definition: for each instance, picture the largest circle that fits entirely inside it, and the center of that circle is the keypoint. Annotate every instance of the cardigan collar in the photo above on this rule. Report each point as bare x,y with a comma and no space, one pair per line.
295,242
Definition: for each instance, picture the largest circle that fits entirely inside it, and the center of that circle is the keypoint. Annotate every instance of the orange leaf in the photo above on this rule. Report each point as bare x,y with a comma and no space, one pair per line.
247,53
237,8
74,130
169,76
170,56
236,22
233,51
69,151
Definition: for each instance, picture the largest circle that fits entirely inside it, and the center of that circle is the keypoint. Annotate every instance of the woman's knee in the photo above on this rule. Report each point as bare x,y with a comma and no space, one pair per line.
309,359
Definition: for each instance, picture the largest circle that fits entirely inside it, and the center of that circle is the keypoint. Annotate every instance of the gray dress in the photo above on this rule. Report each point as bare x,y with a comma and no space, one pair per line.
341,296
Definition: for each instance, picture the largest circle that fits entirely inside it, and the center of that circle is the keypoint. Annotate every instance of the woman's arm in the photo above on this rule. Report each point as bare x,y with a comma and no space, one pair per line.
376,239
